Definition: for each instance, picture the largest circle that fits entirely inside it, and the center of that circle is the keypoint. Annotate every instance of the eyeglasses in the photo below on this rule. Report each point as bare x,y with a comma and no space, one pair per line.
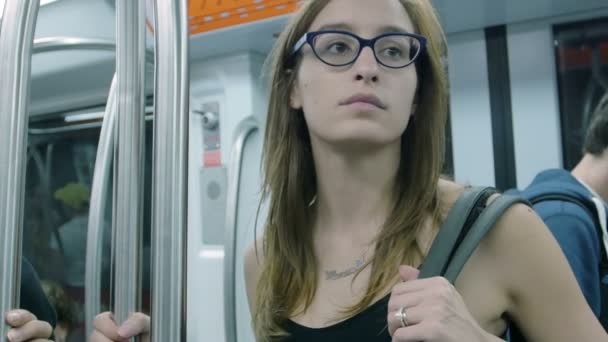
341,48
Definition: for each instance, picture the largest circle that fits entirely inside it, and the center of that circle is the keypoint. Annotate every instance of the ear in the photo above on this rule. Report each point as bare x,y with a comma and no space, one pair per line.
295,98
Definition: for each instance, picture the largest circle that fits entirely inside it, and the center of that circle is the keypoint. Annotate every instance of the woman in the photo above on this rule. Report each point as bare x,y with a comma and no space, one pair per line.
352,158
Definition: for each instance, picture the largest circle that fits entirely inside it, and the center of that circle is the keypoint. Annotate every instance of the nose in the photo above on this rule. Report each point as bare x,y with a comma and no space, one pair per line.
366,67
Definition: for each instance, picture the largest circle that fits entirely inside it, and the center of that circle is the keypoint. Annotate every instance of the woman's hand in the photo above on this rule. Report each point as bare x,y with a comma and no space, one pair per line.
106,329
434,311
26,327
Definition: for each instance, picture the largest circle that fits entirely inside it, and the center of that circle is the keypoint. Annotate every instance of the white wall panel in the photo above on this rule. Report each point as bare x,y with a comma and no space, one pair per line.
470,109
534,100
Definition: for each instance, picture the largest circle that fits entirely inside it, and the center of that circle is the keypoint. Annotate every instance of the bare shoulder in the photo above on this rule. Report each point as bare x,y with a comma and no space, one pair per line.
519,224
533,271
449,192
254,257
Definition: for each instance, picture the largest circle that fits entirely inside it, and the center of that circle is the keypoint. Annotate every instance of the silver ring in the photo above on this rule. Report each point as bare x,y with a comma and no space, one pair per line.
401,315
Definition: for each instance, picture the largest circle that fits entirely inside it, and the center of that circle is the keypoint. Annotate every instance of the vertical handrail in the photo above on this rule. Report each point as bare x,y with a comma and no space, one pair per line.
99,193
103,163
169,196
243,131
16,40
130,73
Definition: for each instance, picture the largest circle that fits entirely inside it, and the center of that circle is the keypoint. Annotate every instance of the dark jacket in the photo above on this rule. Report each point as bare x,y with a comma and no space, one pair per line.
33,297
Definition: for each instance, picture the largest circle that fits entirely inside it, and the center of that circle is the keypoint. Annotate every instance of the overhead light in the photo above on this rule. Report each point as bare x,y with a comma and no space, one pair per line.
83,117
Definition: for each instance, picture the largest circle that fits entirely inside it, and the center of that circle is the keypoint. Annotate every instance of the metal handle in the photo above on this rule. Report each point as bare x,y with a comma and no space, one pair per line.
16,40
51,44
99,190
243,131
74,128
169,196
130,101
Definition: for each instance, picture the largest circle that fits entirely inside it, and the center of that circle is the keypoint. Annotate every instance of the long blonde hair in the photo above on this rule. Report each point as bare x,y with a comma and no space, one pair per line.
289,270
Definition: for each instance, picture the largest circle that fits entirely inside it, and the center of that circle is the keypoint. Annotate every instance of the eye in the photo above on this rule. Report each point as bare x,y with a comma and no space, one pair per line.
393,52
338,48
335,44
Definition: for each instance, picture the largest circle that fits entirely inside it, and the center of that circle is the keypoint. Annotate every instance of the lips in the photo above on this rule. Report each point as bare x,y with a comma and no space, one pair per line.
365,98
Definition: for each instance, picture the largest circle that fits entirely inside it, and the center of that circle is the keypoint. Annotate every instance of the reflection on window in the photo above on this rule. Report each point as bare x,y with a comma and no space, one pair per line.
58,183
582,68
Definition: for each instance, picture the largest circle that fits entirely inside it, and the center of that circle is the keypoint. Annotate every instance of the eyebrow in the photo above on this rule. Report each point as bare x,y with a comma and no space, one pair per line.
347,27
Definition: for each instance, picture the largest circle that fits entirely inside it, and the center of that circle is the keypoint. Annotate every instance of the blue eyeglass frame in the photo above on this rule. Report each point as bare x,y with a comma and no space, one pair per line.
309,37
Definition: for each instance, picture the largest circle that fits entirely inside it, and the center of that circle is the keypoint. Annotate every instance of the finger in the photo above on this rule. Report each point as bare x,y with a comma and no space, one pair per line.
19,317
406,300
408,273
417,285
137,324
96,336
412,316
29,331
413,333
105,326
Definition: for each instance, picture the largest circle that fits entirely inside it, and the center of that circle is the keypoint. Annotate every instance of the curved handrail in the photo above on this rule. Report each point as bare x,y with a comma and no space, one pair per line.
99,190
16,40
169,192
243,131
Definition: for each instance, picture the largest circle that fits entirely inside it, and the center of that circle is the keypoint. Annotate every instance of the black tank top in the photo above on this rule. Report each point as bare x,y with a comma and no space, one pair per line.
369,325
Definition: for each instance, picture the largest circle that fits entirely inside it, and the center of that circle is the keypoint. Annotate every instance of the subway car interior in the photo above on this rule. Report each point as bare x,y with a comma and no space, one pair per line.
524,77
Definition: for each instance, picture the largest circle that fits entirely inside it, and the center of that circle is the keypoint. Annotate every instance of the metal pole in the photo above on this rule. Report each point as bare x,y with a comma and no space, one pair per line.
16,38
127,234
169,196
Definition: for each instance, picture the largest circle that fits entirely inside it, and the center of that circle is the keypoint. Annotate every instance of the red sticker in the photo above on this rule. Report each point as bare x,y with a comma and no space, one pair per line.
212,158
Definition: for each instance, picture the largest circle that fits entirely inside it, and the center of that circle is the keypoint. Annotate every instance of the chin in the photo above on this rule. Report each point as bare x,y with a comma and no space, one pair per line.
364,141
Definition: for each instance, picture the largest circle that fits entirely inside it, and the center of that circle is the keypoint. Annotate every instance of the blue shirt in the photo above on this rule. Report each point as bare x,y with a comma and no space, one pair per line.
573,227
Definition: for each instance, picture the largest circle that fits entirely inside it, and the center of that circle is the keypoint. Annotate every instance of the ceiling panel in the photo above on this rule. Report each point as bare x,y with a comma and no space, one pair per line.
464,15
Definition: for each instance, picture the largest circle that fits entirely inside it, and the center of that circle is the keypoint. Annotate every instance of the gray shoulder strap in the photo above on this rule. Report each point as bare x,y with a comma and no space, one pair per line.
443,245
482,225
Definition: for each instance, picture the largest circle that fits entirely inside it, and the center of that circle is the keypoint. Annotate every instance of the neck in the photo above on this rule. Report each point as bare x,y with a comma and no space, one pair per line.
354,188
593,170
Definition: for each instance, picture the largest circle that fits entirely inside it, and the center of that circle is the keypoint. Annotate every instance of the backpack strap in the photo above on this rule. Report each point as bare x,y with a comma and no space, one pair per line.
589,207
444,244
486,221
593,210
597,213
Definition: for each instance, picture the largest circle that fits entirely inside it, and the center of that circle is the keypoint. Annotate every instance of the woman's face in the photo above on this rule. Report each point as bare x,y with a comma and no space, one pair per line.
325,92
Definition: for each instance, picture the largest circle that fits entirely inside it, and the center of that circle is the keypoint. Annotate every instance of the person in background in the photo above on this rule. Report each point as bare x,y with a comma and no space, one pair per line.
579,229
66,312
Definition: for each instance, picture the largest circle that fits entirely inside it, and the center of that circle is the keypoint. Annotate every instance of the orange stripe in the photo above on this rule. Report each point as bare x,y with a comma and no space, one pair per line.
209,17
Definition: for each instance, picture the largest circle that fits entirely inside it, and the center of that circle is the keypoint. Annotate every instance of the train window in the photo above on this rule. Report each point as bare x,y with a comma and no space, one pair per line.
581,50
61,159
